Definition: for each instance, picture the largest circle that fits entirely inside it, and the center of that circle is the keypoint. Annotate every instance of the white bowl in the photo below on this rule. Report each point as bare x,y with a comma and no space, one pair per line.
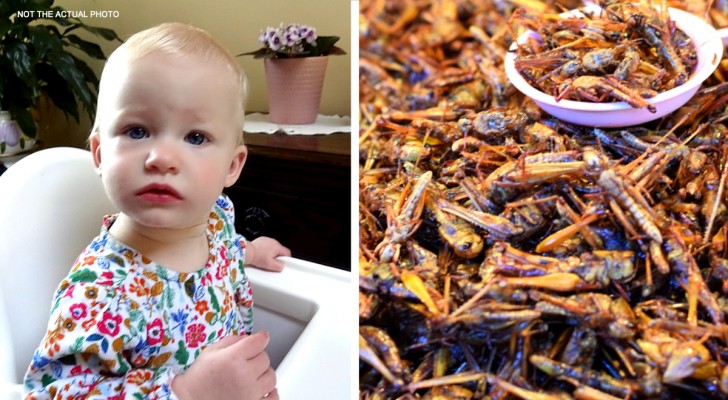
709,47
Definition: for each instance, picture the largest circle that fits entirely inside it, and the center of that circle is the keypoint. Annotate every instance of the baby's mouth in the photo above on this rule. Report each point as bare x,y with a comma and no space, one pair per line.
159,192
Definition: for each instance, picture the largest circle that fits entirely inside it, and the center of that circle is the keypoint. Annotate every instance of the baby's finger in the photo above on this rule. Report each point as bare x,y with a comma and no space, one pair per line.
275,265
267,381
252,345
259,364
272,395
284,251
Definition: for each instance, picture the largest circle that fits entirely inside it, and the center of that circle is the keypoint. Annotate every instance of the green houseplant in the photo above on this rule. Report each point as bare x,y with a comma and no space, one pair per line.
38,47
295,60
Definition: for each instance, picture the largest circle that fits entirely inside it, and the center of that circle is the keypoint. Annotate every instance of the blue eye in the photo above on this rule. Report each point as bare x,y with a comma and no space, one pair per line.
137,132
196,138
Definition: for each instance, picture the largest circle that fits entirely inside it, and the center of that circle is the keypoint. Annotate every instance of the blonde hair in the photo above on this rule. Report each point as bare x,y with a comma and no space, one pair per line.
175,39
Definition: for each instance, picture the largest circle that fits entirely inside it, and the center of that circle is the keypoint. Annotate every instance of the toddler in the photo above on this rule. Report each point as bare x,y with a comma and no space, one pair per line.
158,305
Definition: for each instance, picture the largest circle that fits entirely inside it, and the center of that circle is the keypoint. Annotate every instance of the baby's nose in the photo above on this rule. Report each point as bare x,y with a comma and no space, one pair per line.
163,158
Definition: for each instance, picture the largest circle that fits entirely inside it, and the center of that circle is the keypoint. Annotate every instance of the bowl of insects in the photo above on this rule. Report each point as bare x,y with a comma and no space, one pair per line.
613,67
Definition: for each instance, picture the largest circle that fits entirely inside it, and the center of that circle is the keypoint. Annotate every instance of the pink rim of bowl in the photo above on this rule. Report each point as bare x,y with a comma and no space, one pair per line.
708,42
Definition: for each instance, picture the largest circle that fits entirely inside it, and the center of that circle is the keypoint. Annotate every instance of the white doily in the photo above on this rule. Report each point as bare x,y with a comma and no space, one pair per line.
324,125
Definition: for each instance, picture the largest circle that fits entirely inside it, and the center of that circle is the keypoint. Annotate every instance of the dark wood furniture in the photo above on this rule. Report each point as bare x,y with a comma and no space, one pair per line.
297,189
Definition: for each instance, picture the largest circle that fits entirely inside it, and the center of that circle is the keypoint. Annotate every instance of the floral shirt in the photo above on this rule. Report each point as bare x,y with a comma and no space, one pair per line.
123,326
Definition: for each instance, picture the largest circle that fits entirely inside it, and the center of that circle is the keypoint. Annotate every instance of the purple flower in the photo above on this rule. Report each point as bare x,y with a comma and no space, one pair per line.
275,42
308,34
289,39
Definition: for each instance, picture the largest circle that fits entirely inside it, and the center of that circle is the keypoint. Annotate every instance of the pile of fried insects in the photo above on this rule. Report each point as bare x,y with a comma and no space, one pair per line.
506,254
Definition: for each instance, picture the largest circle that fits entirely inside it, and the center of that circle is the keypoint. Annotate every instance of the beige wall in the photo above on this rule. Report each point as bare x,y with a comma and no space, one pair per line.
236,23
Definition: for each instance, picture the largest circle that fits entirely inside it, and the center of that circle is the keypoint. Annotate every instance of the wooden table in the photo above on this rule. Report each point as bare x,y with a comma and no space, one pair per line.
297,189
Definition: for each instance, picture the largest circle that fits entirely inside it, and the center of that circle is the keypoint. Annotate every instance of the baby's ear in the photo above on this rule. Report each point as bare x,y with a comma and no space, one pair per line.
236,165
95,144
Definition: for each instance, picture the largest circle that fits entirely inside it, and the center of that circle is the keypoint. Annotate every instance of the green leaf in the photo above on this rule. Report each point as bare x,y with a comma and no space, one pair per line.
5,9
37,4
18,54
59,92
323,45
336,51
91,79
43,40
181,355
92,49
66,67
83,275
24,119
123,364
5,26
62,21
16,92
260,53
166,297
76,347
213,299
46,380
116,260
137,321
105,33
87,72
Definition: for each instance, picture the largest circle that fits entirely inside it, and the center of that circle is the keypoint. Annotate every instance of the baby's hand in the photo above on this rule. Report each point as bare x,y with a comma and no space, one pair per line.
236,367
262,253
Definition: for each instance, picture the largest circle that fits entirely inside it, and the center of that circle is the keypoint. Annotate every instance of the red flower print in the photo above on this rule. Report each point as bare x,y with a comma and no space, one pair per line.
78,311
202,306
222,271
69,291
77,370
155,332
106,278
206,280
224,256
88,260
195,335
109,324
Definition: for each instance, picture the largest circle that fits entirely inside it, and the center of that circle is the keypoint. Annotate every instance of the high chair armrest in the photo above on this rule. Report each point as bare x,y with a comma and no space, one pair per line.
309,311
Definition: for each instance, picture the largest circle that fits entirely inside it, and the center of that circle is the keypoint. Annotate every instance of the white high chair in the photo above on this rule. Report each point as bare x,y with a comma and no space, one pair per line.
51,206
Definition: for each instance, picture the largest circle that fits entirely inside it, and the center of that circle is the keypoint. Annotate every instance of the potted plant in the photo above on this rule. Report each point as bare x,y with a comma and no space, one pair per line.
36,60
295,60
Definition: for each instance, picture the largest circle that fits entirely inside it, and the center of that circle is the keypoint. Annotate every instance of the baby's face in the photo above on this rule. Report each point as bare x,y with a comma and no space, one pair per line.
168,140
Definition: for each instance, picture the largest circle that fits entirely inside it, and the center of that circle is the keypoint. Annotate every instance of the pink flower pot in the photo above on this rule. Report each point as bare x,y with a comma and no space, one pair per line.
294,89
